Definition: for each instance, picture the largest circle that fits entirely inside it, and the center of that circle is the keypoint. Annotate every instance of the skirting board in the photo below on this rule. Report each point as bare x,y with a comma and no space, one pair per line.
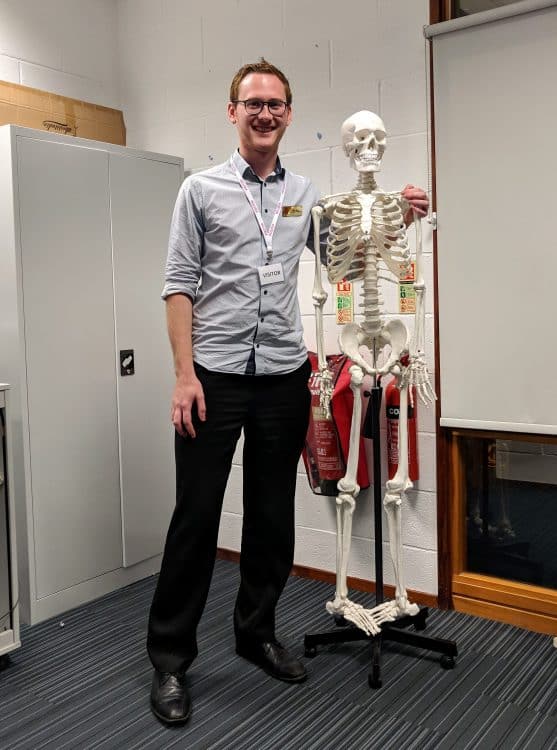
360,584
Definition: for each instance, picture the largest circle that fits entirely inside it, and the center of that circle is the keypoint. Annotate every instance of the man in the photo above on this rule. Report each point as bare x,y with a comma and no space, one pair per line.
237,234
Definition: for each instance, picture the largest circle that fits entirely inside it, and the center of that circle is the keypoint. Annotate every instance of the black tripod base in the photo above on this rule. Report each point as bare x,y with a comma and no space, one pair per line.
390,631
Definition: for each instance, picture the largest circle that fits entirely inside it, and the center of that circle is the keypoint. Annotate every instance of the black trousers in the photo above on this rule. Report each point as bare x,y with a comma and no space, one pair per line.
273,411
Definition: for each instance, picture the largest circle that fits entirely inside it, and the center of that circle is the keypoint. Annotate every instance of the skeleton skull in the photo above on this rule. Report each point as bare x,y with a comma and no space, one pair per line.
364,141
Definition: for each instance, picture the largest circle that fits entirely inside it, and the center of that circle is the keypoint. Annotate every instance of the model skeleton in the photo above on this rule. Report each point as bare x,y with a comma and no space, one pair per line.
367,237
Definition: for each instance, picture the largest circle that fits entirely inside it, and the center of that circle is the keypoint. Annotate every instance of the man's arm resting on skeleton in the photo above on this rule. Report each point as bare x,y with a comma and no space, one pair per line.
417,203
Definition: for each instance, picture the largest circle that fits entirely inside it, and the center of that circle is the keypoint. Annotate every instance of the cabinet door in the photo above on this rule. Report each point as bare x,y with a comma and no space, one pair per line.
70,355
5,606
143,192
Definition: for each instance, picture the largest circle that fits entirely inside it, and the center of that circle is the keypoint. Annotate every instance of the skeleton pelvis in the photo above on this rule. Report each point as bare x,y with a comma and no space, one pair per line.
394,333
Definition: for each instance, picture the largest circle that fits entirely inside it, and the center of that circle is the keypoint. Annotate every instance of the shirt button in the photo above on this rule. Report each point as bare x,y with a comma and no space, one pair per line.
264,291
262,320
264,184
257,346
266,211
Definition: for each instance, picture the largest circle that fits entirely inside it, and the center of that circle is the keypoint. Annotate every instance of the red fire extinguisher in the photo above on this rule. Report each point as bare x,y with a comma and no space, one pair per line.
392,401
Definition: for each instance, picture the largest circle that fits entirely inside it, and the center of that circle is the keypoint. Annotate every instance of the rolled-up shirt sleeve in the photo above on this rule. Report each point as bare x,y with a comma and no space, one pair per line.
185,244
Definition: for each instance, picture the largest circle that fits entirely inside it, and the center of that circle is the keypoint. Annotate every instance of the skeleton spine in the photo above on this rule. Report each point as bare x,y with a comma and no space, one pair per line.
371,298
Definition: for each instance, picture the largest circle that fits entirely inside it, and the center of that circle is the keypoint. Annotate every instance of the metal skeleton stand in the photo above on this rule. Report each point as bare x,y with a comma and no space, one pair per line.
390,631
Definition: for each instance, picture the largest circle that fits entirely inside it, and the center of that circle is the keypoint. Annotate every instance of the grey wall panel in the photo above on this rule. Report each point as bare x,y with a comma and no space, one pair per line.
71,369
495,116
143,192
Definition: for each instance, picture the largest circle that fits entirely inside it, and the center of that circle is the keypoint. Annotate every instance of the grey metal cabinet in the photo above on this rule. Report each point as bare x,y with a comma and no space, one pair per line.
82,331
9,609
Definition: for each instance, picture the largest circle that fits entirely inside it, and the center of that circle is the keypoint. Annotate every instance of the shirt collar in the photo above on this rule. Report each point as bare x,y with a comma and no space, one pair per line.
247,172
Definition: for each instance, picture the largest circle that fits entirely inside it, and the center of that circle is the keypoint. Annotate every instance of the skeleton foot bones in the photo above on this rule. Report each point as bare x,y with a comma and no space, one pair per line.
368,237
368,620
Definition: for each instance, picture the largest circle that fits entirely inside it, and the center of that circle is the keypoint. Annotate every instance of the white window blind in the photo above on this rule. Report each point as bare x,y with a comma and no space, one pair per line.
495,97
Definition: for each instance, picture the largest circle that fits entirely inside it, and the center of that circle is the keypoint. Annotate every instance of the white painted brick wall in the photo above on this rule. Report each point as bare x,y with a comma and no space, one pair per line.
176,61
64,46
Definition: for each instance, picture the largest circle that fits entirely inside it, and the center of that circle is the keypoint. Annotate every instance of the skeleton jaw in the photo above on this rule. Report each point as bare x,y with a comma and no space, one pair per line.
367,161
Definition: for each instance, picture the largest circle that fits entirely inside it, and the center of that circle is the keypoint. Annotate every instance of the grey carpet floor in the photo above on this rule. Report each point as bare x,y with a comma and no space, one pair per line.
85,684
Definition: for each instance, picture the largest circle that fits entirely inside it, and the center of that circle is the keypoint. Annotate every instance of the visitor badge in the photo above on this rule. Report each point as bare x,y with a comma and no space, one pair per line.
270,274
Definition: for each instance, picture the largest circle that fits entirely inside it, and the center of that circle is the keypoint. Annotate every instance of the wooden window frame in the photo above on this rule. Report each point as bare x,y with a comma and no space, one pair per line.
522,604
440,10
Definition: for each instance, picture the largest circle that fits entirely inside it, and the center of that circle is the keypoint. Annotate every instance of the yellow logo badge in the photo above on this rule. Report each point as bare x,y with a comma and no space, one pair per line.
291,211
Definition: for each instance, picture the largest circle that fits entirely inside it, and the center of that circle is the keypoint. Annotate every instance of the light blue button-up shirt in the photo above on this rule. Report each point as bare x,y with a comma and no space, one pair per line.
215,249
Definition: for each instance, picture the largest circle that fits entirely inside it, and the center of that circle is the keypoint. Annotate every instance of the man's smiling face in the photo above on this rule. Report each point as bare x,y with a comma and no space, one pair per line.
260,133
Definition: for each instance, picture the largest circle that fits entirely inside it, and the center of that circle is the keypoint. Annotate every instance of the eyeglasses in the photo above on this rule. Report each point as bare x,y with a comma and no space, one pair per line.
255,106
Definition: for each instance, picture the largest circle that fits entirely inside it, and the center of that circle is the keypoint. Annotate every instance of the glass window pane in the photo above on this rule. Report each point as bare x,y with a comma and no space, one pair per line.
466,7
511,509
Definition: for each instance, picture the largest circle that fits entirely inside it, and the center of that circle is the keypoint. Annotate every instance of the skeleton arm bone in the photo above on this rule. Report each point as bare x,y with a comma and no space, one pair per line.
319,296
416,374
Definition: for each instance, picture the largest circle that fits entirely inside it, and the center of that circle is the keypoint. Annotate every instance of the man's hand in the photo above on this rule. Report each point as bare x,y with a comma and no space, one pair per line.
418,200
187,392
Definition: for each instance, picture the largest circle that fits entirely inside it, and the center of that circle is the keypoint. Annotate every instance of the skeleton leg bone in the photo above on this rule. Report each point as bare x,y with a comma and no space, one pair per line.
368,620
395,492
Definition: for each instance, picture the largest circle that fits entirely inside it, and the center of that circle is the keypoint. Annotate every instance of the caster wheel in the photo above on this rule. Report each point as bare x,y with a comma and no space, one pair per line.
310,652
374,682
447,662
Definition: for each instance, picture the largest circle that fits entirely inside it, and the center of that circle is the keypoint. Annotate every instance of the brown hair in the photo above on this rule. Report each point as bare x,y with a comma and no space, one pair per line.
259,67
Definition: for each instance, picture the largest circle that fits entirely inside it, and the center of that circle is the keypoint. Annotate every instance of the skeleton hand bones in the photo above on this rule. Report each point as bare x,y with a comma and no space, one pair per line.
416,376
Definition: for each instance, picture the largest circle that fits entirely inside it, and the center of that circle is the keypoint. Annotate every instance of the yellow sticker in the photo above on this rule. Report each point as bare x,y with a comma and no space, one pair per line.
288,211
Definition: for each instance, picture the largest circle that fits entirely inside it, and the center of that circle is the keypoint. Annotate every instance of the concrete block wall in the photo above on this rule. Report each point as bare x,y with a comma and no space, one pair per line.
177,58
67,47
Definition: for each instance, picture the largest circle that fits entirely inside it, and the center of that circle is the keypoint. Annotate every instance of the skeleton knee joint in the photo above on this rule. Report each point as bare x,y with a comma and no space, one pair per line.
393,495
347,494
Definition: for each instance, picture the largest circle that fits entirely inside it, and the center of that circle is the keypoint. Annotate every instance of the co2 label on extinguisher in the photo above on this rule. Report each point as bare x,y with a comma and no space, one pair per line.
393,418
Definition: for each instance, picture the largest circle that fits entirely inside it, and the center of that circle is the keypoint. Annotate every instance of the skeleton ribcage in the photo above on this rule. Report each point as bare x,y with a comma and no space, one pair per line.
354,232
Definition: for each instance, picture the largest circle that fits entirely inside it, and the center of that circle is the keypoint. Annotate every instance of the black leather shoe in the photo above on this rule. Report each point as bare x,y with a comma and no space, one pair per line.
273,659
170,698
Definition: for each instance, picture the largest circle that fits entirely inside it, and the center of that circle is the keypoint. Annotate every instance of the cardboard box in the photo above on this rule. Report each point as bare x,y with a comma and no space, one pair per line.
33,108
